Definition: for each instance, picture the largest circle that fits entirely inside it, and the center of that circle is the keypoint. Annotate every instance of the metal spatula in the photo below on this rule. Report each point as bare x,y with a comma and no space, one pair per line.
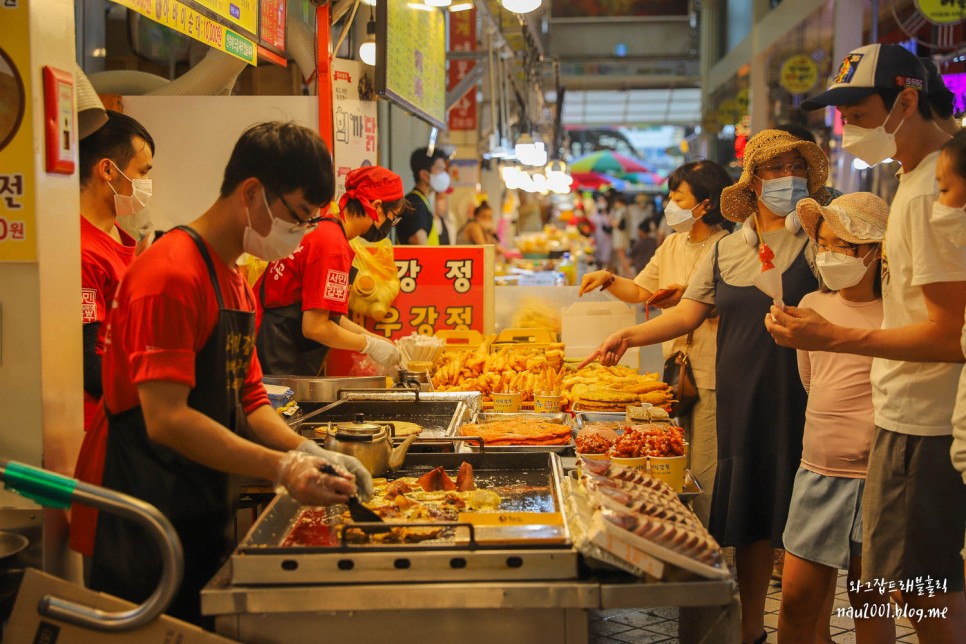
359,512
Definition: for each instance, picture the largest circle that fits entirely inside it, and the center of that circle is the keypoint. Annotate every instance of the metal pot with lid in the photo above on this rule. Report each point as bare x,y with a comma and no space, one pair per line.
371,443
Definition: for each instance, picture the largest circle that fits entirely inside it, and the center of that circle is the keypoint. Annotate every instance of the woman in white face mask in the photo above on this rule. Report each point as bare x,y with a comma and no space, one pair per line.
692,211
824,529
760,404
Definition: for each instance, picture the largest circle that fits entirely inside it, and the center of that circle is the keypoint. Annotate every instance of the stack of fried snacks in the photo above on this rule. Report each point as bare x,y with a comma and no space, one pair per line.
599,388
523,370
519,431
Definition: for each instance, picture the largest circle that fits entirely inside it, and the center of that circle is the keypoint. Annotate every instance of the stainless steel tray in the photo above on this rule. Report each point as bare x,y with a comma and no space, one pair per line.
311,389
441,417
558,417
261,559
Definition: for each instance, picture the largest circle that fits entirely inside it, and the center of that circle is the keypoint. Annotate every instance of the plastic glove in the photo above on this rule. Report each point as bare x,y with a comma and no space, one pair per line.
349,463
299,473
383,352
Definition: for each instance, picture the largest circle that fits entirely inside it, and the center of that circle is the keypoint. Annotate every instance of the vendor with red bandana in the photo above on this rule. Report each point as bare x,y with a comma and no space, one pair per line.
303,299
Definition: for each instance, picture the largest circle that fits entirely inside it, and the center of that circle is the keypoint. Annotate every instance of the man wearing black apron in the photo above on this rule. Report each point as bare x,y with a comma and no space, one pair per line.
183,403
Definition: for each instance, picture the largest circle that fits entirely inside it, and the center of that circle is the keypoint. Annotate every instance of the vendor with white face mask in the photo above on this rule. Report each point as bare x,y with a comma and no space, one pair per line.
184,406
430,174
115,161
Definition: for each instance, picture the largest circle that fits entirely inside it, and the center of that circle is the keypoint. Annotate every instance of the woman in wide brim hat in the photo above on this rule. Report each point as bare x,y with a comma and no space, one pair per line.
760,400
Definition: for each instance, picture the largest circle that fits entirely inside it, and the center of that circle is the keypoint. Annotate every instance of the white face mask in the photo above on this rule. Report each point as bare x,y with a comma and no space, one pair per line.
281,241
950,222
840,271
130,209
781,195
680,220
871,145
439,182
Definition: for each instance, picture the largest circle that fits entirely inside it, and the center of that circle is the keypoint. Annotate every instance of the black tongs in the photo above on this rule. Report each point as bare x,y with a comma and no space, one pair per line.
359,512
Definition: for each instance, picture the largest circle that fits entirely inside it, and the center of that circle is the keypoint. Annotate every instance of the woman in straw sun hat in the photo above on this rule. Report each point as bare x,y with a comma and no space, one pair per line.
761,403
824,529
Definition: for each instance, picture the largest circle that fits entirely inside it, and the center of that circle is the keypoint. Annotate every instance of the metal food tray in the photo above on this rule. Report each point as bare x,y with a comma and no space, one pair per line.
440,415
558,417
261,559
692,486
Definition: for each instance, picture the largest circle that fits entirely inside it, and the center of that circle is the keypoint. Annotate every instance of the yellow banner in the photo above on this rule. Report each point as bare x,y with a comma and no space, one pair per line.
185,20
18,221
243,13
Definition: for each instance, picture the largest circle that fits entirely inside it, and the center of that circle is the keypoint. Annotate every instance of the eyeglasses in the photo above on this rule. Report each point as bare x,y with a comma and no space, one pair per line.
394,218
797,168
303,224
838,253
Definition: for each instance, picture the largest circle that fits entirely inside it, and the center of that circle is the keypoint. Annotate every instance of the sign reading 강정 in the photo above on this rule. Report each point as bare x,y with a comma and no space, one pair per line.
440,287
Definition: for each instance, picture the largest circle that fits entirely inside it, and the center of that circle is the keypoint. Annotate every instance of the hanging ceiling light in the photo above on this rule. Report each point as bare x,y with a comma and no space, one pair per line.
367,50
520,6
461,5
438,3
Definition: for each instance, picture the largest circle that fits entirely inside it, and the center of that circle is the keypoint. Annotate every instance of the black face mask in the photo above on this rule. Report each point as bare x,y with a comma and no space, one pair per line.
378,233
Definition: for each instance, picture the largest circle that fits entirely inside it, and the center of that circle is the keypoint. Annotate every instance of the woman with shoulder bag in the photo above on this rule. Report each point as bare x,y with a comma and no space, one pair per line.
693,211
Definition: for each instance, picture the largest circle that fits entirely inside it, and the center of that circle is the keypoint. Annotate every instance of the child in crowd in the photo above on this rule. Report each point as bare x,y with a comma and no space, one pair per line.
824,529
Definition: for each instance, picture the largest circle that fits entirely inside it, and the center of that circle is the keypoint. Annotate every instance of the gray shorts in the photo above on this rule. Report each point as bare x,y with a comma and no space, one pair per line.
913,511
825,519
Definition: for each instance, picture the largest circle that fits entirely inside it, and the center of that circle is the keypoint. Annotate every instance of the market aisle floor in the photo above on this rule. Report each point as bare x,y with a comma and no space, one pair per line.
650,625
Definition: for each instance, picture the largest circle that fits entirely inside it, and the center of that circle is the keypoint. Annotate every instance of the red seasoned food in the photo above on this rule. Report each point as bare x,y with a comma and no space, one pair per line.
592,444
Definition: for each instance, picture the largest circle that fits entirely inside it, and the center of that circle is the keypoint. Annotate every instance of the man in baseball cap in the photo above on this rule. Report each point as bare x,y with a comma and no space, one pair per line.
914,504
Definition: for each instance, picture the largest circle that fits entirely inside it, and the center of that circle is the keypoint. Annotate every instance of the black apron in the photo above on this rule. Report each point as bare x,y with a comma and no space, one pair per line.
761,411
199,501
282,348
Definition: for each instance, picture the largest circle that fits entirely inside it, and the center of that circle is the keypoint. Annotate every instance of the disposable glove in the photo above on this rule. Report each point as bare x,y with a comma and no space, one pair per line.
348,463
383,352
299,473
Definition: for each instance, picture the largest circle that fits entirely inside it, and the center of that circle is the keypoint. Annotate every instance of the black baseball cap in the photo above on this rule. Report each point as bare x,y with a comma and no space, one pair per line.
870,68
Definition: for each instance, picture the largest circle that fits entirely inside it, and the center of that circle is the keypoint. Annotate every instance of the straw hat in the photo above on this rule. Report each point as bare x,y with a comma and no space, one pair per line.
857,218
739,200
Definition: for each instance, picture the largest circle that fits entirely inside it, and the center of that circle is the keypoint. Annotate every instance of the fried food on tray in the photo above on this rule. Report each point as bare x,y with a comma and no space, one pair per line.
519,431
592,443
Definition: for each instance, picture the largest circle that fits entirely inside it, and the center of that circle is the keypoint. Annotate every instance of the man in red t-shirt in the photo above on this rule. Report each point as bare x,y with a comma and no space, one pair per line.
184,406
304,298
114,164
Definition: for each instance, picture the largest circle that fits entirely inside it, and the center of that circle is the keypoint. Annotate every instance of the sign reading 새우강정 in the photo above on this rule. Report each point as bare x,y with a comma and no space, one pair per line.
440,287
355,132
18,230
186,20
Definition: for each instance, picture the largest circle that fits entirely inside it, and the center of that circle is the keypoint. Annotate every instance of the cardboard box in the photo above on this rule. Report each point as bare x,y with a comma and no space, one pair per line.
27,625
590,323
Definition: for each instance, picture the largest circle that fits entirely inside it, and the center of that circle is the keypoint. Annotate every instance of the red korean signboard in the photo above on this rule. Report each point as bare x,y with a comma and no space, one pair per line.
462,38
439,288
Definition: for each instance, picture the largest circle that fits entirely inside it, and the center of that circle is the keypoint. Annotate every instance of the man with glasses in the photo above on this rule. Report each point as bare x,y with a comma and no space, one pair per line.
304,298
184,407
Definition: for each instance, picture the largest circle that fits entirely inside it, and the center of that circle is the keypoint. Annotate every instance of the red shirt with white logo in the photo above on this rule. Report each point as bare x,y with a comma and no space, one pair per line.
316,274
103,261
